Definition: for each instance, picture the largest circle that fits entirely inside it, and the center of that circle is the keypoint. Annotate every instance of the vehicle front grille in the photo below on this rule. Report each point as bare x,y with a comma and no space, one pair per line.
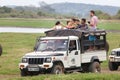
118,53
35,60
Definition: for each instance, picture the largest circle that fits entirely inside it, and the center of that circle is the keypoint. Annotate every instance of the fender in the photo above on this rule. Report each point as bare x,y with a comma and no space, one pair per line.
58,62
95,58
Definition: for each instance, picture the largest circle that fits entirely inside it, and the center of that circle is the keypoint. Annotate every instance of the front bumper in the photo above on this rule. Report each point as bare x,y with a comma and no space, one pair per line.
114,59
35,67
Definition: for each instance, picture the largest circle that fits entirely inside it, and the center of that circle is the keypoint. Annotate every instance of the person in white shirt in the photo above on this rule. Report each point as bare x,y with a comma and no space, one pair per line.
57,26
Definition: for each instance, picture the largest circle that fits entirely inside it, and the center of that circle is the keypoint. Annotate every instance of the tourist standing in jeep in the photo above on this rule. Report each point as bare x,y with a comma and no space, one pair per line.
93,20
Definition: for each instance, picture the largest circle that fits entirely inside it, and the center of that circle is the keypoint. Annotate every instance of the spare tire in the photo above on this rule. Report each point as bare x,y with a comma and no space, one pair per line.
0,50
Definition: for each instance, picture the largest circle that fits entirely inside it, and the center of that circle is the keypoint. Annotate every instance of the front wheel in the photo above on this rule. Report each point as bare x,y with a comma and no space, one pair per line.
112,66
57,69
95,67
23,73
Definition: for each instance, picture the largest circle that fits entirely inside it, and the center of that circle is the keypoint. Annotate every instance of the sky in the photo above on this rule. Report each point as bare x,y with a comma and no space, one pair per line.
35,2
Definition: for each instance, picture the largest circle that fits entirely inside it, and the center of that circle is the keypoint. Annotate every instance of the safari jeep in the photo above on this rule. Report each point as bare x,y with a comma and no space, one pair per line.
63,51
114,59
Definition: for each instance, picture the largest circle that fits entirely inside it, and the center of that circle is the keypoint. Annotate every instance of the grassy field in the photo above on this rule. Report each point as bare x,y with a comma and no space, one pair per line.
16,45
75,76
109,25
40,23
36,23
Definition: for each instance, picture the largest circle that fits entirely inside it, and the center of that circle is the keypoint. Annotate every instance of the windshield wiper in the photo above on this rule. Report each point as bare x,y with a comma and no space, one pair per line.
47,50
59,49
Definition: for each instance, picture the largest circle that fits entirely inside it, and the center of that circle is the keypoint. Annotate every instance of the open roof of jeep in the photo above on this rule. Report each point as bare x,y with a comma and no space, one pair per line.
74,32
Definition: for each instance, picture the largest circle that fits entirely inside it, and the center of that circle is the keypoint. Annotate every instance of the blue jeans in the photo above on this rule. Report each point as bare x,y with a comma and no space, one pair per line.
92,38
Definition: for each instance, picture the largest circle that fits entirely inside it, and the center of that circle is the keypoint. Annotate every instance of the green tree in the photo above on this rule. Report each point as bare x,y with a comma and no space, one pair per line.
5,9
102,15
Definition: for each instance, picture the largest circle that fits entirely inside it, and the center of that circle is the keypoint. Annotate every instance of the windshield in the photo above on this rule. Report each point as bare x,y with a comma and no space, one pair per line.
53,45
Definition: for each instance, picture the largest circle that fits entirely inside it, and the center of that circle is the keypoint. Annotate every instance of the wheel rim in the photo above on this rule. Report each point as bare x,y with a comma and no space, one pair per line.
58,71
97,68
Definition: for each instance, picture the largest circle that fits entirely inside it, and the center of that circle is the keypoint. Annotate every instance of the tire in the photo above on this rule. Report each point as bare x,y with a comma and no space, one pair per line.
112,66
57,69
23,73
95,67
85,68
107,46
0,50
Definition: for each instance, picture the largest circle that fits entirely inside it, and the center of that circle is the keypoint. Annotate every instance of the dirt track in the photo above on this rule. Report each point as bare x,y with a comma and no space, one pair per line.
107,71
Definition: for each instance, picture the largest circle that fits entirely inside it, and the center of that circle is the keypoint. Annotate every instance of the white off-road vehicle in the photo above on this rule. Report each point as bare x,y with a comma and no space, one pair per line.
114,59
63,51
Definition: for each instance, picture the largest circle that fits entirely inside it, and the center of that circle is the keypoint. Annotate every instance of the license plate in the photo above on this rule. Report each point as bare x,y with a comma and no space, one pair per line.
117,59
33,69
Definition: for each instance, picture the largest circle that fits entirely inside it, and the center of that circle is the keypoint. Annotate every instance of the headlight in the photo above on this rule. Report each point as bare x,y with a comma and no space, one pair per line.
48,60
24,60
113,53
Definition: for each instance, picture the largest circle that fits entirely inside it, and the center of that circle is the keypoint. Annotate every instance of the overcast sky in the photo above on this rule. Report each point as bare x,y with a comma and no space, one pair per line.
35,2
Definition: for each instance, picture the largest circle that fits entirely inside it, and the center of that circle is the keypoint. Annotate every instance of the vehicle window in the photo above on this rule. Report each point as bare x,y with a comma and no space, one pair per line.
72,45
53,45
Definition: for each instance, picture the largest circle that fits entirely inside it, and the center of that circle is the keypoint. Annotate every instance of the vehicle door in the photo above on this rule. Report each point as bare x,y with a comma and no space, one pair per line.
74,54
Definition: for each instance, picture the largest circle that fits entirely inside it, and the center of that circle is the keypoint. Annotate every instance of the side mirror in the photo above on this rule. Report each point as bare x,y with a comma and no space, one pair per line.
35,48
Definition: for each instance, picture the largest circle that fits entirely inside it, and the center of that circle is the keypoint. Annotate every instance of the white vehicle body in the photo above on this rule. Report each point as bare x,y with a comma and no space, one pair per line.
69,59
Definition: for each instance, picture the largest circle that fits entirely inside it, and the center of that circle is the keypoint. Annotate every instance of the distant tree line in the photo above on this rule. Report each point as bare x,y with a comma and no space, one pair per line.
26,12
44,12
106,16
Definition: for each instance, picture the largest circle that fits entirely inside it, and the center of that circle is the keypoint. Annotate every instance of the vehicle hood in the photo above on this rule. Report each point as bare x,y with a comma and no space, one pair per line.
117,49
44,54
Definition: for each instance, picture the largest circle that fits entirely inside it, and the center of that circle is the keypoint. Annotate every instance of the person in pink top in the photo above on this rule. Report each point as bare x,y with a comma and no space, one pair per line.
93,26
93,21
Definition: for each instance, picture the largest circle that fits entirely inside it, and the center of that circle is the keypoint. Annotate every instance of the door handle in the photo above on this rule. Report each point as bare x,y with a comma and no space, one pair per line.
76,53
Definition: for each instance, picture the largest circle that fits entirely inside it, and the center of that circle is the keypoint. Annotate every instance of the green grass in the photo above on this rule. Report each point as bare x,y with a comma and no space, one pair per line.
75,76
109,25
36,23
16,45
45,23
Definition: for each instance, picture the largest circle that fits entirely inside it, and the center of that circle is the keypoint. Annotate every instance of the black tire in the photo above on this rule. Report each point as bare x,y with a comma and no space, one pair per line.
85,68
107,46
23,73
112,66
95,67
57,69
0,50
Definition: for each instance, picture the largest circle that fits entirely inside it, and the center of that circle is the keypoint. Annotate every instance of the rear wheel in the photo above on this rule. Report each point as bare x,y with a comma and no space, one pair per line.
95,67
112,66
85,67
57,69
0,50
